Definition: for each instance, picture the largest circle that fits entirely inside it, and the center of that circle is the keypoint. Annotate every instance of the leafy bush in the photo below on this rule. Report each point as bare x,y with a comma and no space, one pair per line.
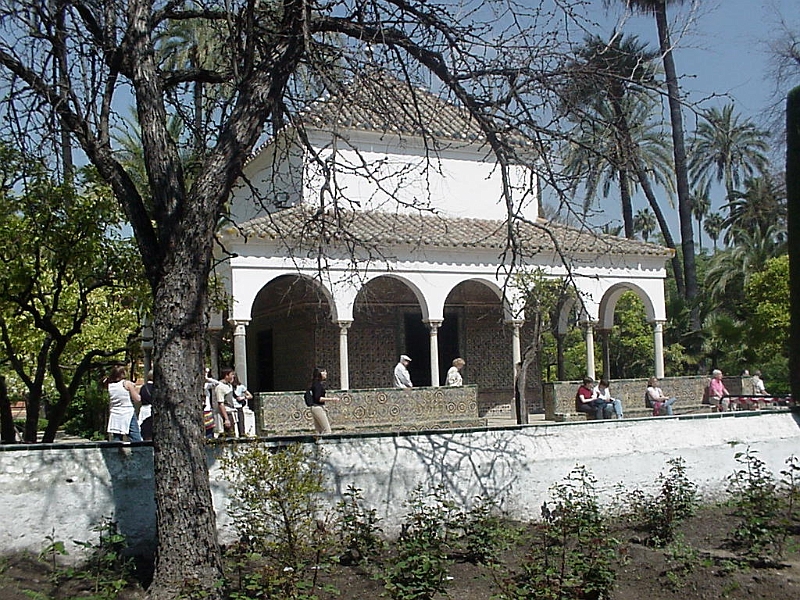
485,533
754,491
357,528
419,569
274,506
573,554
661,513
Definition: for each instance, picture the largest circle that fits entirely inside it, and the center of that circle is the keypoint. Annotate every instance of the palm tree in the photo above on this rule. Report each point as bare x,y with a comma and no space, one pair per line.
603,77
658,8
713,227
610,97
730,270
700,206
194,44
645,223
760,206
591,158
726,149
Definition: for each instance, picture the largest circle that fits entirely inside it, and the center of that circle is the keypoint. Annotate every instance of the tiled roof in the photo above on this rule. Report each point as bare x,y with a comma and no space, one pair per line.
388,105
384,104
302,227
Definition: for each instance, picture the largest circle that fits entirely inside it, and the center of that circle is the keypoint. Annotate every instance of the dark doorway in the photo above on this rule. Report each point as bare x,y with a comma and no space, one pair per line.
418,347
448,344
264,362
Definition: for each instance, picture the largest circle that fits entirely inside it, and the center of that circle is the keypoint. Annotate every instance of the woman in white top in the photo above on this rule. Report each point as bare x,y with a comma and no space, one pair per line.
454,374
122,414
656,399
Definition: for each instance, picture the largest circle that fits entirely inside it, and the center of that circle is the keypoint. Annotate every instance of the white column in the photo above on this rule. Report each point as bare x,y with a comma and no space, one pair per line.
589,336
344,364
658,346
434,326
516,346
240,349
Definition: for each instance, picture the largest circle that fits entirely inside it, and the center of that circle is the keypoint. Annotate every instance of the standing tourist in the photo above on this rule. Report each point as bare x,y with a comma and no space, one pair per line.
241,396
454,373
316,398
208,406
122,394
223,399
402,378
146,409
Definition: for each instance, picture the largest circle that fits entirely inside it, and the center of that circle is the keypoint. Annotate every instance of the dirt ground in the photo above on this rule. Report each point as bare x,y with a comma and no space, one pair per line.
644,573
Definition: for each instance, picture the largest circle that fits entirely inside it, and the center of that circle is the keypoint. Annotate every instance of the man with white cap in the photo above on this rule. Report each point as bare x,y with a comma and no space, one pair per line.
401,377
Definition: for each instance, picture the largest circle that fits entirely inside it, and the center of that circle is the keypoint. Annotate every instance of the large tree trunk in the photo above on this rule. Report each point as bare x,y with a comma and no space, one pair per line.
681,169
189,559
793,226
663,226
8,434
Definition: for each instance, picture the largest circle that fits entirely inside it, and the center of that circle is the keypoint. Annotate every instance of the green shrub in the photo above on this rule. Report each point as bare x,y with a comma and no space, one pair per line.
660,514
485,533
754,492
418,571
573,554
357,529
274,506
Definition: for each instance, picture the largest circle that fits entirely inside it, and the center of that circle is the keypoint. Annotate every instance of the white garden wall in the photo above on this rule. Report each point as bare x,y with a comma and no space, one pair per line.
65,490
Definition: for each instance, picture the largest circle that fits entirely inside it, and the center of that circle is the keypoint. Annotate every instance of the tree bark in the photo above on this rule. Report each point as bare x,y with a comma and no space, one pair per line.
681,168
663,226
7,429
793,227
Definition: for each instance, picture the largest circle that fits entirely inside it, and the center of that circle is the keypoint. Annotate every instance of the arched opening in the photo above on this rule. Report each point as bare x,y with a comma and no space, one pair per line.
473,329
387,322
290,332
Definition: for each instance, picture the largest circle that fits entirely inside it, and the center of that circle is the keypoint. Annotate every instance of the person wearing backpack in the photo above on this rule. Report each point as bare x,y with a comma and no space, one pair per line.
315,399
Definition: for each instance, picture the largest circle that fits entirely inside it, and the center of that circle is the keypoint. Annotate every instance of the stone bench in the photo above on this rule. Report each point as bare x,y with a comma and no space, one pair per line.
636,412
559,396
388,409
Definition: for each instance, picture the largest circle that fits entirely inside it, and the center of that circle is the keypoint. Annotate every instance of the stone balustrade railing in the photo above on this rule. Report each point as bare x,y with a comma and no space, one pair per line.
390,409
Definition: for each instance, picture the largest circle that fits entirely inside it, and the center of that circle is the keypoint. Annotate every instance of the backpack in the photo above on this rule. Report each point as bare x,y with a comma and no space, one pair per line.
647,401
308,397
707,393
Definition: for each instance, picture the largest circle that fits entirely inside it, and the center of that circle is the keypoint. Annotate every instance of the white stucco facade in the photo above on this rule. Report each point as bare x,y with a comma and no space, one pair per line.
451,185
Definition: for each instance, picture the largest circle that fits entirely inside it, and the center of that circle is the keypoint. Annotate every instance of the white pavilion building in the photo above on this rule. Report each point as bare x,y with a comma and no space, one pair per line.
360,237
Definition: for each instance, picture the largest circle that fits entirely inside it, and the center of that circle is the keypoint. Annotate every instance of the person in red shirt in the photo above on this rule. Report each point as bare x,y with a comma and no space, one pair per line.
587,401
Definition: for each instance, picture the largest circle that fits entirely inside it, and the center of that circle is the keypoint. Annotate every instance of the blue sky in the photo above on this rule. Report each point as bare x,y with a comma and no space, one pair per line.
721,54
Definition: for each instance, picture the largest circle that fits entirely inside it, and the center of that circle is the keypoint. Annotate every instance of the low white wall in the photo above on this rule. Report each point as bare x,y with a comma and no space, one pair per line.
65,490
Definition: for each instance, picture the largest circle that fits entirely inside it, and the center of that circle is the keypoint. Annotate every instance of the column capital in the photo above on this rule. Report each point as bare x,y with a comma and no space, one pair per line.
344,325
515,322
237,322
433,323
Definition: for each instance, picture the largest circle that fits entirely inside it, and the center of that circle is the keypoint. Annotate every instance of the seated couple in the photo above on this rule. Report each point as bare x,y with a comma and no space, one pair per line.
596,400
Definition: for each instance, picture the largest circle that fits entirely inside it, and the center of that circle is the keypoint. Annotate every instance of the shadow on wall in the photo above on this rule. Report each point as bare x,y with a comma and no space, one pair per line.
130,470
466,465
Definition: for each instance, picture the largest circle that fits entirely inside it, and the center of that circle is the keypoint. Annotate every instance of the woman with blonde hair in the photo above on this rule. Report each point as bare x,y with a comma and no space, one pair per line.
454,374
